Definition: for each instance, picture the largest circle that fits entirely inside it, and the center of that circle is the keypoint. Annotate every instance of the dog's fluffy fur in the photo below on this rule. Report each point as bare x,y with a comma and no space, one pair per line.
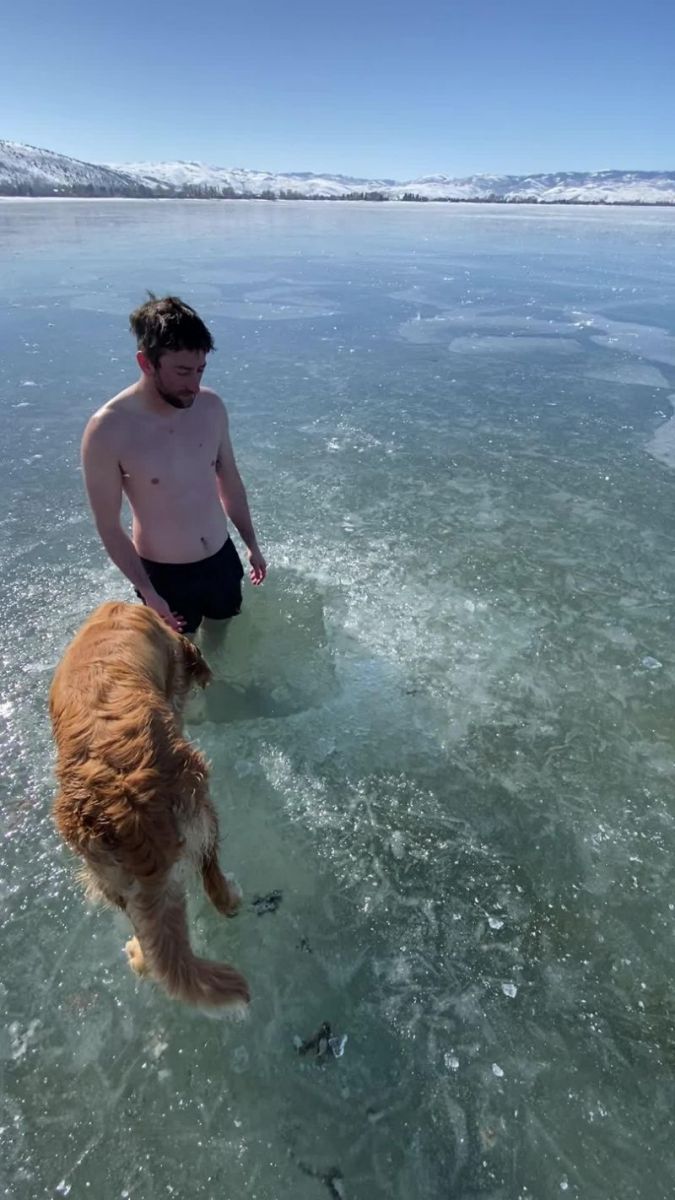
134,800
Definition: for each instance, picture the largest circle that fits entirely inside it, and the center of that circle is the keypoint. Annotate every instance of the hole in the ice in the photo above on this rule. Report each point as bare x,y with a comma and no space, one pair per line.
275,659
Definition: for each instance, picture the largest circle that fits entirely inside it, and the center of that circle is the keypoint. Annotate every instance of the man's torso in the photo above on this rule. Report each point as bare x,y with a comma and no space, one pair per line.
168,469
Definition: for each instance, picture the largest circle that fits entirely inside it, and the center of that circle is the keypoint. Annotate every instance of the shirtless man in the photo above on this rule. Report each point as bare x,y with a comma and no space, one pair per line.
165,443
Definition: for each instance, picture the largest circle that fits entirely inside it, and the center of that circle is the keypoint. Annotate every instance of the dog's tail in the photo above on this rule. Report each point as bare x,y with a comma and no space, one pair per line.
159,918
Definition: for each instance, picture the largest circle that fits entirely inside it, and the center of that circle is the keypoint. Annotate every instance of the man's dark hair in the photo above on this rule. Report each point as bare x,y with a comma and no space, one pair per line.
168,324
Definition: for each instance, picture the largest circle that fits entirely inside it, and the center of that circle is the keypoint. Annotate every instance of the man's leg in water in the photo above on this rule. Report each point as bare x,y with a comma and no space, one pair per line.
221,600
211,637
212,643
230,696
195,706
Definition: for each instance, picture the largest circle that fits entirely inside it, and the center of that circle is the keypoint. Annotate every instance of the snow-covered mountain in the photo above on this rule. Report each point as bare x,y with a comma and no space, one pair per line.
565,187
28,171
599,187
199,177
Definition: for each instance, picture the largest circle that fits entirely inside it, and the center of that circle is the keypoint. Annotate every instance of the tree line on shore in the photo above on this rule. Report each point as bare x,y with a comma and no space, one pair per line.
207,192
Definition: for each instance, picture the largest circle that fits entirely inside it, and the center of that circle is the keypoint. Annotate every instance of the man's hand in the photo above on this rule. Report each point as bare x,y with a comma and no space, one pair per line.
258,565
159,605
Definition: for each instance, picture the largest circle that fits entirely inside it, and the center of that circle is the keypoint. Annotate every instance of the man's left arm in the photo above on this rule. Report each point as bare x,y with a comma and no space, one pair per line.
234,501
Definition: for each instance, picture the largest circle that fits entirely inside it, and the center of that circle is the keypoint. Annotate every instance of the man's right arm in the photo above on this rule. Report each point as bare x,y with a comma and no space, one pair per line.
103,481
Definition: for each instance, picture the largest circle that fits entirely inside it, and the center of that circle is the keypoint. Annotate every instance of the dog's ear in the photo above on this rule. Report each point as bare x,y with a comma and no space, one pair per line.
196,666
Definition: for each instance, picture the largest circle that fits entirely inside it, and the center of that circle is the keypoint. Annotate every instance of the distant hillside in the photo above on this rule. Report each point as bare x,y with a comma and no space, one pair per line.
564,187
194,178
28,171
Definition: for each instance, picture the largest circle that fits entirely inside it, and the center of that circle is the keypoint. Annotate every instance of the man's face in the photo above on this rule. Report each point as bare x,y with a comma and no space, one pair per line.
177,376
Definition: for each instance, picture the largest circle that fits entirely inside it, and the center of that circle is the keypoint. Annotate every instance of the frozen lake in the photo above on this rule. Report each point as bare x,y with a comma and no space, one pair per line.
443,729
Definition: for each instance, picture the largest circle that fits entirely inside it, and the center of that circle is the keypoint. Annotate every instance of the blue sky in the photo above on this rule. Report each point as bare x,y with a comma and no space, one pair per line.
382,90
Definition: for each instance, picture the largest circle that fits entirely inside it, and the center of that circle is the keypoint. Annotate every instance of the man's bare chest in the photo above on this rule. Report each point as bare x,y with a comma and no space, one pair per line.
168,456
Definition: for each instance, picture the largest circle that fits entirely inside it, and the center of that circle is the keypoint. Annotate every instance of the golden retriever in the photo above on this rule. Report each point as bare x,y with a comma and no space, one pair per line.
134,800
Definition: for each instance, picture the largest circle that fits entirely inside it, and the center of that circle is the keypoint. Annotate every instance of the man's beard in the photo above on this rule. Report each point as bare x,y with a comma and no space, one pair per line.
174,400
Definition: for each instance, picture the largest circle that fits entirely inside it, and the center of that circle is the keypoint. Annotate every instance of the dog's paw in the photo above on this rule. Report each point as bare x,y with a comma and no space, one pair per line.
234,896
134,954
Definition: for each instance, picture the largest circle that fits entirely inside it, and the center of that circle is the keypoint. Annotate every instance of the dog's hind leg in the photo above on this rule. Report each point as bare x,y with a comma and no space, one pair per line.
222,890
159,918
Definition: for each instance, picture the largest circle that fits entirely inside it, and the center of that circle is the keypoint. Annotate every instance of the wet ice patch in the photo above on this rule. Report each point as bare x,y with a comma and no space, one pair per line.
277,304
447,327
644,341
387,630
630,374
661,445
513,347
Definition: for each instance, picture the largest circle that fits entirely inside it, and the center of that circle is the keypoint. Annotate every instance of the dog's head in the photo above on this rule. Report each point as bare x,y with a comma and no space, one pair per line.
196,668
128,646
176,663
137,633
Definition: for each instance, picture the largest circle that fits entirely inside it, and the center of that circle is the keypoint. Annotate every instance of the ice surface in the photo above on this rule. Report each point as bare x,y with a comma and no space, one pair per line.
510,346
662,445
436,732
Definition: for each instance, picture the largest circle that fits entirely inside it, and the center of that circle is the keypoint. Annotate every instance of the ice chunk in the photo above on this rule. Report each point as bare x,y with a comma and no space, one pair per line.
336,1045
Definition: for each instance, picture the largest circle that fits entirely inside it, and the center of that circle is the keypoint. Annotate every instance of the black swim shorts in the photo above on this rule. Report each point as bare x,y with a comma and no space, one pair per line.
208,588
